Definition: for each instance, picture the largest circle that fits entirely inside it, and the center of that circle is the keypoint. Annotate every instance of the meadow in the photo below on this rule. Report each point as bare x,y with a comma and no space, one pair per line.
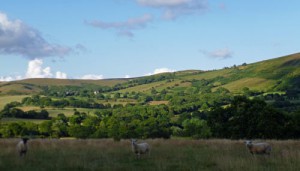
7,99
172,154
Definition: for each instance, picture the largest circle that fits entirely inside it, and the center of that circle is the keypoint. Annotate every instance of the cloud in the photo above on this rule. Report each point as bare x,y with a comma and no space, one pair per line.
124,28
81,48
60,75
20,39
158,3
92,77
35,70
160,70
172,9
219,53
10,78
127,76
6,78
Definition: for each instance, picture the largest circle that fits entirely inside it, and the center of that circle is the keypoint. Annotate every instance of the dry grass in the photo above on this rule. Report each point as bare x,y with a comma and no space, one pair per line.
179,154
158,103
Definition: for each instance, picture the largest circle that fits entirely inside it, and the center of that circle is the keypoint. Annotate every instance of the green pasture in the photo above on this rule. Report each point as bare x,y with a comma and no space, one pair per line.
253,83
165,155
7,120
7,99
53,112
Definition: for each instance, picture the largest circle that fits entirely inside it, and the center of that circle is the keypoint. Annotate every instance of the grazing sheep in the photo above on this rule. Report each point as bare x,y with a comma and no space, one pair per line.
140,148
259,148
22,147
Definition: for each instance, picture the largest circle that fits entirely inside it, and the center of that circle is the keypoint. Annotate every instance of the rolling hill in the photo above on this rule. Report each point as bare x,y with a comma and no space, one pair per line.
278,74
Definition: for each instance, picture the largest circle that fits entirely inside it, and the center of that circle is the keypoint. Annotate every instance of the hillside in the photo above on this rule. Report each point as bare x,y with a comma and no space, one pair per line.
263,96
278,74
31,86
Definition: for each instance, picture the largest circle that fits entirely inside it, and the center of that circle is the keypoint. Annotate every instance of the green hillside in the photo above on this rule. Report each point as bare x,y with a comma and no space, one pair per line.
263,96
276,74
31,86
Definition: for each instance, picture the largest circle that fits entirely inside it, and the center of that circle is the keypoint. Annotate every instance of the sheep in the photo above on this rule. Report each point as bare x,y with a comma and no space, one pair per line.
259,148
140,148
22,147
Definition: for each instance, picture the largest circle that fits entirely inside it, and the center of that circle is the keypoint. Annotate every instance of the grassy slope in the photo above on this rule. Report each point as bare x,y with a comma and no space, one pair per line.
30,86
73,82
262,75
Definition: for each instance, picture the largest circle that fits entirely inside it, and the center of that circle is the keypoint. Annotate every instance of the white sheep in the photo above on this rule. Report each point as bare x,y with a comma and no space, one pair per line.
140,148
259,148
22,147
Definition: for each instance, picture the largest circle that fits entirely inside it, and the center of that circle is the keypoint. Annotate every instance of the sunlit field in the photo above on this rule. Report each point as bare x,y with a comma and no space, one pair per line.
7,99
174,154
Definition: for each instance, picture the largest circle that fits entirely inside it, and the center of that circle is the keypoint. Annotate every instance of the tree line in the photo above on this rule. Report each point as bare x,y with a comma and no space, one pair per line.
235,118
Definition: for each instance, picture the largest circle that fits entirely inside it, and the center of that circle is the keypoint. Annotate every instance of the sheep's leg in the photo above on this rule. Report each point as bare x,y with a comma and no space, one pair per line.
22,153
139,155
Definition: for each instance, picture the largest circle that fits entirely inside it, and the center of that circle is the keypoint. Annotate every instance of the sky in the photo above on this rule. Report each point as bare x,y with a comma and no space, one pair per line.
102,39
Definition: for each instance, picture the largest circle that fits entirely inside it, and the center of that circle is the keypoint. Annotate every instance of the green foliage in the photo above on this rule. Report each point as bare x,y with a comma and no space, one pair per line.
196,128
248,119
18,129
199,104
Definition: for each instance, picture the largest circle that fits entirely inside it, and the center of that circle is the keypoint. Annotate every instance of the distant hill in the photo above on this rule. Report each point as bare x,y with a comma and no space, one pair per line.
29,86
278,74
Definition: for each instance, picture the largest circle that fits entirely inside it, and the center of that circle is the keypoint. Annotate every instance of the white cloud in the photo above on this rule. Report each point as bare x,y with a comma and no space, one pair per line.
10,78
92,77
127,76
156,3
18,38
219,53
7,78
60,75
161,70
175,8
35,70
124,28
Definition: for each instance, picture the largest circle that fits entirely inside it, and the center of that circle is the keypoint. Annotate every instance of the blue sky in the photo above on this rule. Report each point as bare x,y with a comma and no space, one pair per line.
99,39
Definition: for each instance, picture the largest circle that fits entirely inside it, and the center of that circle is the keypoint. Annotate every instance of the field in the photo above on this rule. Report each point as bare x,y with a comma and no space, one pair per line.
7,99
53,112
174,154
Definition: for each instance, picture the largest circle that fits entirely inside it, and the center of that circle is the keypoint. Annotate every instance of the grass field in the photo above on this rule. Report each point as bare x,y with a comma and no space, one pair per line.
254,83
174,154
7,120
53,112
7,99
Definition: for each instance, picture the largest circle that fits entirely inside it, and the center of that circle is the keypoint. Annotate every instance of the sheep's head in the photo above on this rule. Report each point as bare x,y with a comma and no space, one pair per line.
248,143
133,141
25,140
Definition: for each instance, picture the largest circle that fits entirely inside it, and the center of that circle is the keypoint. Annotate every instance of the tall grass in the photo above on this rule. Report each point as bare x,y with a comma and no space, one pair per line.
174,154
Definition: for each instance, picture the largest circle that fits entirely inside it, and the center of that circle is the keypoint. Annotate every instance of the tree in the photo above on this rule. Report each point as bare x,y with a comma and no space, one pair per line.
245,118
196,128
45,128
59,126
79,131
